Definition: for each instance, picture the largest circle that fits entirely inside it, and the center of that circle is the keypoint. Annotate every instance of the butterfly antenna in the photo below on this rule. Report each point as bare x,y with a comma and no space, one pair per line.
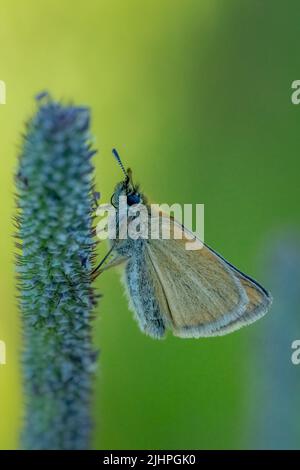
117,157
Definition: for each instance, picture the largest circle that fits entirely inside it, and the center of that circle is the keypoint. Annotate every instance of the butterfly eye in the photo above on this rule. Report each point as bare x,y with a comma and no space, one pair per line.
133,198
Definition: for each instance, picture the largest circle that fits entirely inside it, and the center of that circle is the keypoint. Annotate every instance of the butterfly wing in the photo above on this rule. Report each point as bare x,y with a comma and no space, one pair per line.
205,295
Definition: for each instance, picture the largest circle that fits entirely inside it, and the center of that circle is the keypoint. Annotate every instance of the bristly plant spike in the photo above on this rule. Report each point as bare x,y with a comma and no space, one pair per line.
55,230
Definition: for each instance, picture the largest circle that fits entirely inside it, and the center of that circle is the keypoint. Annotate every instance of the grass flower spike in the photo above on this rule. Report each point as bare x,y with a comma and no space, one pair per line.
55,231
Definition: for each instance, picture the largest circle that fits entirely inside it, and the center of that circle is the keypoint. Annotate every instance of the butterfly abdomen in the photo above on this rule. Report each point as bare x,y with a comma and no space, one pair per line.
142,295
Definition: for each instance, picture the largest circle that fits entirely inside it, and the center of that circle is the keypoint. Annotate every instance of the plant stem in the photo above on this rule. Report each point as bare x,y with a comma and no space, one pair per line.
55,230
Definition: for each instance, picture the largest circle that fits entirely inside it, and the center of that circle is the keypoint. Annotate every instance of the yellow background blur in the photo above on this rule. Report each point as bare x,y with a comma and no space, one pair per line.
195,95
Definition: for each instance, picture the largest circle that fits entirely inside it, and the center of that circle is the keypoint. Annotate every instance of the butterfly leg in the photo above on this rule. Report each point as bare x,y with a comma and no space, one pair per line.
116,261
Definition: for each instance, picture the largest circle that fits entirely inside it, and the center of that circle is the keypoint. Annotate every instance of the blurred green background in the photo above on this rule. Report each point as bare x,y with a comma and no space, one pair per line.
195,95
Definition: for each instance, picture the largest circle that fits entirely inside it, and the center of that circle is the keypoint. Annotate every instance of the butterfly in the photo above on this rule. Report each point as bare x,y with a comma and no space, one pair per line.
193,293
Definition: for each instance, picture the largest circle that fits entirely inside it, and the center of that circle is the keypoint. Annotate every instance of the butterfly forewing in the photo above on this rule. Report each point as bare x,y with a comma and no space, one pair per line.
205,295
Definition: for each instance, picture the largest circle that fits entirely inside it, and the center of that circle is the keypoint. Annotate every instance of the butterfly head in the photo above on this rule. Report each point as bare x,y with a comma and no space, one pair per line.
126,187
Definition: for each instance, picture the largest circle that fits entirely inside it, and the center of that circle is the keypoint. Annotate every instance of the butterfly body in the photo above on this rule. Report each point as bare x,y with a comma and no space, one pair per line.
139,283
137,278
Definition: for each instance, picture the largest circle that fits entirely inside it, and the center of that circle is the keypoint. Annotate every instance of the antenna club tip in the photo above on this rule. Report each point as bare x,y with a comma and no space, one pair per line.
117,157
